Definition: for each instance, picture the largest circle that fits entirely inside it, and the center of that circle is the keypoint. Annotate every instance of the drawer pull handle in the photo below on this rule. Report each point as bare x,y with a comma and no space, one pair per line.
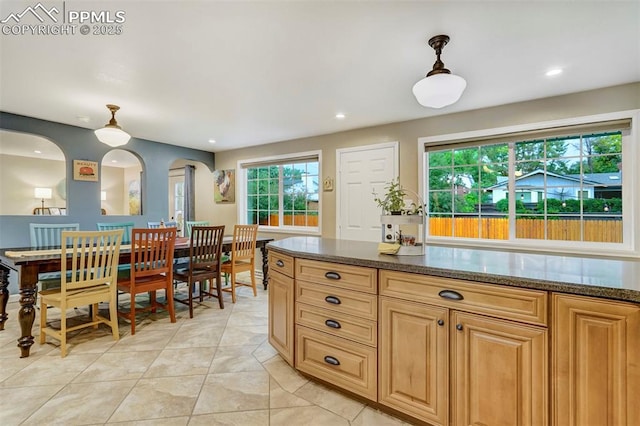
459,327
440,322
331,360
332,323
280,263
451,295
333,300
332,275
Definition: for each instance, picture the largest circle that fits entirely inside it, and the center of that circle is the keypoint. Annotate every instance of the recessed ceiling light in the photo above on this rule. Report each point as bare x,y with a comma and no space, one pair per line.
553,72
37,152
340,116
114,161
212,141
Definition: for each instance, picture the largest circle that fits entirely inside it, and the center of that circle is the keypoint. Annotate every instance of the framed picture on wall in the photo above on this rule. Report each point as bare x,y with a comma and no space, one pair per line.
225,186
85,170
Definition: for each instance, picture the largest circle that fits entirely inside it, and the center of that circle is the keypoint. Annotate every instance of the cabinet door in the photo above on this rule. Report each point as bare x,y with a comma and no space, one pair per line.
596,362
281,311
499,372
413,373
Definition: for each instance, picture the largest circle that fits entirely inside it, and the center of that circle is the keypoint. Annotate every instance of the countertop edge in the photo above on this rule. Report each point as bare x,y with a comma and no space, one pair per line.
536,284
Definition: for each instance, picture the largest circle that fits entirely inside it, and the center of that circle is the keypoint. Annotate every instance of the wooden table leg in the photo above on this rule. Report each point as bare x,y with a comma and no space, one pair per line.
4,295
265,267
27,314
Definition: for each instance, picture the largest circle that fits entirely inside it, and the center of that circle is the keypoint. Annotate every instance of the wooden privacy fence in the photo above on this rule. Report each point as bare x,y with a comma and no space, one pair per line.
292,220
605,231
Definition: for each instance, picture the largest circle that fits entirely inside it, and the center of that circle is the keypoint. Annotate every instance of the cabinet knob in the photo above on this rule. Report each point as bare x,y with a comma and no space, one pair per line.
331,360
280,263
440,322
332,323
333,300
459,327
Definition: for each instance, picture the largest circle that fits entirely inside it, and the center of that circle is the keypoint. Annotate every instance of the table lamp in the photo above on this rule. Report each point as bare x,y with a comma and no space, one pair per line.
43,194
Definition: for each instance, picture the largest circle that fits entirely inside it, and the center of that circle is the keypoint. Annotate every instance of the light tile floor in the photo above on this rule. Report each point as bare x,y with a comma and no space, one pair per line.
215,369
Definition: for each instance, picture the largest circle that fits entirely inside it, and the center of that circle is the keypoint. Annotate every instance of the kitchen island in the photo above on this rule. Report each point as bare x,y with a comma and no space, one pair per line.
462,335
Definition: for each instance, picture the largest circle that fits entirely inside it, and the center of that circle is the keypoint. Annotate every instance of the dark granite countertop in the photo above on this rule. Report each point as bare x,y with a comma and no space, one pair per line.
591,276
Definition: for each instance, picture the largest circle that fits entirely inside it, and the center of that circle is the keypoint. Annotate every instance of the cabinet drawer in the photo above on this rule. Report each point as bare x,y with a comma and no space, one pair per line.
500,301
337,324
281,263
338,361
338,300
343,276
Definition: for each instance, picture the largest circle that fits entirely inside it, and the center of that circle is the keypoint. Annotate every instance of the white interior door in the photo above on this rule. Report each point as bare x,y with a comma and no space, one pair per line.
361,171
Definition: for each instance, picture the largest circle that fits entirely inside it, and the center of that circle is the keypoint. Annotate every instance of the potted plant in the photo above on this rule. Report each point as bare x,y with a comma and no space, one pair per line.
393,200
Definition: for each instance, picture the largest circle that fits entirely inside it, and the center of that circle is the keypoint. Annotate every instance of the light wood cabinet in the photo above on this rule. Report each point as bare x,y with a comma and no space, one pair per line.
461,366
595,362
499,373
281,312
446,351
413,371
347,364
336,324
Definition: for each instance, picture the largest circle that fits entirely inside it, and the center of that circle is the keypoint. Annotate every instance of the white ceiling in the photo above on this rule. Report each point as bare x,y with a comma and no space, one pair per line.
248,73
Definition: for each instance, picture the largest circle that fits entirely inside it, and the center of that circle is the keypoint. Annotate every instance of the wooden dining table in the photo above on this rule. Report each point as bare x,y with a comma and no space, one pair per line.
28,262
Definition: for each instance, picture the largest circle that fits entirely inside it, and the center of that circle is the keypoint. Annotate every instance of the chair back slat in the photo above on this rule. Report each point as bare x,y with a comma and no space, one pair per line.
152,251
244,242
94,259
48,234
191,223
155,225
206,247
126,226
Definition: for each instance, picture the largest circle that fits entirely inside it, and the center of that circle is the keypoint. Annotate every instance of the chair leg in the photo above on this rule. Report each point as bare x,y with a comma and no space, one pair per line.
63,330
233,288
219,290
43,320
170,305
113,320
253,282
191,288
94,315
132,314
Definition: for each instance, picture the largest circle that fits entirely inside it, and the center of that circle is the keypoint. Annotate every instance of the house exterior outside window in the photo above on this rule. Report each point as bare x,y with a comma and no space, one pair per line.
281,193
559,187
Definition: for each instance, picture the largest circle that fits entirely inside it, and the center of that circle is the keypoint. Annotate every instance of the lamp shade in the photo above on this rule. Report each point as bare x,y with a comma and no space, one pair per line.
112,136
439,90
43,193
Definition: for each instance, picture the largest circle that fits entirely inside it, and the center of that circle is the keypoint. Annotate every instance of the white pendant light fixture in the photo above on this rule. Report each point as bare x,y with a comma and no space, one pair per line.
439,88
112,134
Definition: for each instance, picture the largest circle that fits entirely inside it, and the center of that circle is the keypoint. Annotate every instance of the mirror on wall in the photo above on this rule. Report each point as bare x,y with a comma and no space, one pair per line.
32,175
120,184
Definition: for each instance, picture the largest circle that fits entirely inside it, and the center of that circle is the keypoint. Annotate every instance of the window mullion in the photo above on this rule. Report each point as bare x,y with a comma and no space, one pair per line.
512,192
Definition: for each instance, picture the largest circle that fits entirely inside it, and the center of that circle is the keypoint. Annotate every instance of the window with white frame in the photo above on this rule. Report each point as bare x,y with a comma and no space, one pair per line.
281,193
554,187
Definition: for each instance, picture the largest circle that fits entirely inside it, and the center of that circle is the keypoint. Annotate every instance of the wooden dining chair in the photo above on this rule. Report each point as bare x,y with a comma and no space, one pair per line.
205,253
151,270
191,223
90,279
243,254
